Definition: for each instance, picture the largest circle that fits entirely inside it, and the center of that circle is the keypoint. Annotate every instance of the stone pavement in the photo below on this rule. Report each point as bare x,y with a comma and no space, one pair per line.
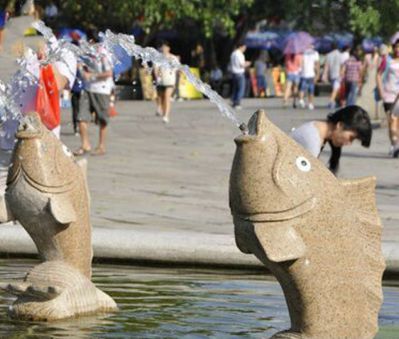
160,194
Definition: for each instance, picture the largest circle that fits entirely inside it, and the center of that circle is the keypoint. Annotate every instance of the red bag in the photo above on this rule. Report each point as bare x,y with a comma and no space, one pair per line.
47,98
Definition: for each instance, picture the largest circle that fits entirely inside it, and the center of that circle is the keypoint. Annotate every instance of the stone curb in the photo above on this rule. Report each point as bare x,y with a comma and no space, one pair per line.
164,247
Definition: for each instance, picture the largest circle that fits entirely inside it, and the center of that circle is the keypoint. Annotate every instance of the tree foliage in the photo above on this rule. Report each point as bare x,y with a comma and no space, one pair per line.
153,14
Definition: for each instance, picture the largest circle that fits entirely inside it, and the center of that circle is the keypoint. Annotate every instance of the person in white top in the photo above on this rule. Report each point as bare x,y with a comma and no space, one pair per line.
166,82
238,65
309,75
96,71
332,73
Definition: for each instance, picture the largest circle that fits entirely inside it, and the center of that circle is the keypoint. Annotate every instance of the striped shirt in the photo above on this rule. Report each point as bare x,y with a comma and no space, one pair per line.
353,69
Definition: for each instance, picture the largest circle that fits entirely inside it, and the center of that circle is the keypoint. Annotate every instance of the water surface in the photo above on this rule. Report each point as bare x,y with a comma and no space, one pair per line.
176,303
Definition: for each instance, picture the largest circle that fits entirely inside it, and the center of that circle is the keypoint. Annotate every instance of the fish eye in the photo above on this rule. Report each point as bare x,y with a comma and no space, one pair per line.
303,164
66,151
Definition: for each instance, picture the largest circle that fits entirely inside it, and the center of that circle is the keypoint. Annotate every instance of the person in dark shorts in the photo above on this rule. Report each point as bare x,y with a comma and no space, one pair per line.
166,81
96,71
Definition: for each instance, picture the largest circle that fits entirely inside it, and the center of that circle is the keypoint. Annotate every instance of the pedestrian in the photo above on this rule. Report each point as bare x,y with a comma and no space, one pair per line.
293,64
77,88
198,58
61,75
216,77
166,81
96,71
367,95
237,66
260,71
388,88
309,74
332,73
352,71
339,129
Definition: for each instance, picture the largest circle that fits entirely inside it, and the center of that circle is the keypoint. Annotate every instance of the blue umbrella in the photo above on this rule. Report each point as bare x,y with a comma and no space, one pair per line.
262,40
297,43
368,44
122,60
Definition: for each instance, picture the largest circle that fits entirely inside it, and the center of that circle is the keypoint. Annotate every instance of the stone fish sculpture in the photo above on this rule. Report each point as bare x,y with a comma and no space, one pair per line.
47,193
319,236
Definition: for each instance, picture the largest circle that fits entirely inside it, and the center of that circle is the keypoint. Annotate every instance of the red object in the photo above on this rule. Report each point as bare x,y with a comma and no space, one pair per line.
47,98
112,111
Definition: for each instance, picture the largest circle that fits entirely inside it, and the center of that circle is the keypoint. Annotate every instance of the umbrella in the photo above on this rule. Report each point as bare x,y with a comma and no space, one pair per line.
297,42
262,40
368,44
122,60
395,38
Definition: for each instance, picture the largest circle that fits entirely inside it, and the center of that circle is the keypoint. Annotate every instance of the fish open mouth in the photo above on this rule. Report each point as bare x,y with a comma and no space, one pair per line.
29,127
282,215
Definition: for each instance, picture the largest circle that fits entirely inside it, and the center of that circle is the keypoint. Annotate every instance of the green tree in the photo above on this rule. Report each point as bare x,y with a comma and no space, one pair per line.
153,15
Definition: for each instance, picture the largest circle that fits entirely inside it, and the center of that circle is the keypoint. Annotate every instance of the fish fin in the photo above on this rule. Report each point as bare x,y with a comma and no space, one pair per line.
26,289
280,242
16,288
62,209
361,194
5,212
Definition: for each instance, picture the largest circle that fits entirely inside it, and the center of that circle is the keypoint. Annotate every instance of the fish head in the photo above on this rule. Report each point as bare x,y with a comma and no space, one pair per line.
30,127
44,160
274,183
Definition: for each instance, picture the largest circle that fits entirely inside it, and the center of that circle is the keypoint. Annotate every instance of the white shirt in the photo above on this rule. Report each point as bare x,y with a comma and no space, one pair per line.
237,61
98,64
334,62
310,57
344,57
308,136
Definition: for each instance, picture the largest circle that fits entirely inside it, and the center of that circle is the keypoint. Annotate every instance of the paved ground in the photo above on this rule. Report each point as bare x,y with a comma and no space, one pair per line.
161,191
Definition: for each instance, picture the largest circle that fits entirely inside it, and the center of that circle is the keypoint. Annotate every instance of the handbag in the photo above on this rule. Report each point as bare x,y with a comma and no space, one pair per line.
47,98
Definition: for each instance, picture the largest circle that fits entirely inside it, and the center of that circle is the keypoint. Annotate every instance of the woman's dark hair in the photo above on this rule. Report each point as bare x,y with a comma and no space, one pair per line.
164,43
92,35
353,118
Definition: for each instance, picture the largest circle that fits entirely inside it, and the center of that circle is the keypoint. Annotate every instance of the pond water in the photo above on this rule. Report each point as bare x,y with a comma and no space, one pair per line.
177,303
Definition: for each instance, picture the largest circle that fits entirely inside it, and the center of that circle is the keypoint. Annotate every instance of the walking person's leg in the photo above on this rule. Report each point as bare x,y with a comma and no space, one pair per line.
352,93
100,149
83,118
287,92
241,89
101,109
335,83
167,103
158,102
295,90
75,110
234,92
303,89
311,93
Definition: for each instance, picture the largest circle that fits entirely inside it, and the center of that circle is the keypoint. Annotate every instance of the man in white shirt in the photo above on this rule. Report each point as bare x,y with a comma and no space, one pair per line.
309,75
238,65
332,72
96,71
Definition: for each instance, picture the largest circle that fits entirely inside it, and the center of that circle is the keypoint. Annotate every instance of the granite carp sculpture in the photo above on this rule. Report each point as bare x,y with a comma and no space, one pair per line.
47,194
318,235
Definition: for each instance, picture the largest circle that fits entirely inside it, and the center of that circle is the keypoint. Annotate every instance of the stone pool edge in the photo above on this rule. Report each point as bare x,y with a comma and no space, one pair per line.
163,247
